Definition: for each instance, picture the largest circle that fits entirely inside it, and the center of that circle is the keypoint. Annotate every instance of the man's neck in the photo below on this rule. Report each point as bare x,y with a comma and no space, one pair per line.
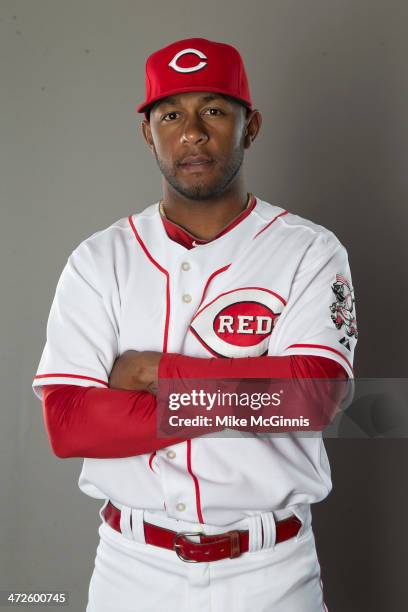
206,218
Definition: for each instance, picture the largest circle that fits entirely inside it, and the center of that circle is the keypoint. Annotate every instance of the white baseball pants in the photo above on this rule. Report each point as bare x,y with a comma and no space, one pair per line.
132,576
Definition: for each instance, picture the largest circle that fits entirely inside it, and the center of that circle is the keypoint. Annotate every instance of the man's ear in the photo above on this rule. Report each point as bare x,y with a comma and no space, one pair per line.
147,134
253,125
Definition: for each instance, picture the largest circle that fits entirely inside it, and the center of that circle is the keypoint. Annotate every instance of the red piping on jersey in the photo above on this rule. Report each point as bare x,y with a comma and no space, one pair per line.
61,375
213,275
321,346
239,289
196,485
167,320
270,223
151,460
165,272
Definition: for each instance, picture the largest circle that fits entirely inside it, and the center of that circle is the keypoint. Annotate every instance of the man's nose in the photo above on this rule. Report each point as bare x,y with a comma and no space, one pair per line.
193,130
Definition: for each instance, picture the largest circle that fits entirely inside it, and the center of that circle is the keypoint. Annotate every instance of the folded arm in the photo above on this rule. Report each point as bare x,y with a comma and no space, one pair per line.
121,421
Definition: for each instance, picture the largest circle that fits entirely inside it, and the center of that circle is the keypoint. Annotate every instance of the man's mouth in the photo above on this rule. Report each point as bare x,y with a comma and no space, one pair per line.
196,163
195,159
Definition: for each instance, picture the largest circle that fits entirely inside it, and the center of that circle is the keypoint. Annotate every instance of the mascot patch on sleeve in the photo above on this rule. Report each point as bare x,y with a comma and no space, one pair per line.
343,310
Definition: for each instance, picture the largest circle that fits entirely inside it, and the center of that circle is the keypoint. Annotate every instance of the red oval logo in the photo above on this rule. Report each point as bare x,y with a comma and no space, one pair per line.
244,323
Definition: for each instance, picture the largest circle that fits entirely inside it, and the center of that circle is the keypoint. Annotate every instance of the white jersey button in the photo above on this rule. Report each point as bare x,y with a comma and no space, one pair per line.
181,507
185,266
171,454
187,298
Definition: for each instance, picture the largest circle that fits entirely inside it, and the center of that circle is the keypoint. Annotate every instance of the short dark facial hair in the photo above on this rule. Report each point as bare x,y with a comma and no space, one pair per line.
199,192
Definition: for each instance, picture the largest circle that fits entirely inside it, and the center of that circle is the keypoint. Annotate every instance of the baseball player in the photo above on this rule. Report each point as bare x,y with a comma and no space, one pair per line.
210,281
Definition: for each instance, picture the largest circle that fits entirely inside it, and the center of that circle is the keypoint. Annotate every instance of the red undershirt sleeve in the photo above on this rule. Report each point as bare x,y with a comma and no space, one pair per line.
174,365
304,395
101,423
108,423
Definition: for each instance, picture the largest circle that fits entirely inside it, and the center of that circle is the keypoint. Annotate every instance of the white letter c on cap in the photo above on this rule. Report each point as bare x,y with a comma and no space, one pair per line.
173,63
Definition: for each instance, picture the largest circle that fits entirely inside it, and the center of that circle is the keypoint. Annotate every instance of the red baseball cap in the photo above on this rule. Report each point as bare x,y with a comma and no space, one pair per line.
195,64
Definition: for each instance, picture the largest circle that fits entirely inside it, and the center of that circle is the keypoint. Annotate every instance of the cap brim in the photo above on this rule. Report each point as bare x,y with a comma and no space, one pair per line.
147,104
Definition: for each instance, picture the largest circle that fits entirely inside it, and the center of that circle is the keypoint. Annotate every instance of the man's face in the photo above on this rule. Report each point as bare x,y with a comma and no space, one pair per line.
198,140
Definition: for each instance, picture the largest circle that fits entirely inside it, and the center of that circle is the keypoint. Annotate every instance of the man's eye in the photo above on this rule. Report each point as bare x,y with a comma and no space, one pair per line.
169,115
214,114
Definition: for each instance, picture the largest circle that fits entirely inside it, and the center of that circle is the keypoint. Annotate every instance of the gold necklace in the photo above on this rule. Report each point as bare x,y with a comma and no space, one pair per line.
163,213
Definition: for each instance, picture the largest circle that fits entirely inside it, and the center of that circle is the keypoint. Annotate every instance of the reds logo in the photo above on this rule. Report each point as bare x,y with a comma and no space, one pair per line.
238,323
173,64
343,307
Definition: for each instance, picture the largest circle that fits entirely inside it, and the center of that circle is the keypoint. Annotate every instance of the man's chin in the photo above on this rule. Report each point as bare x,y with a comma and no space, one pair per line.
198,192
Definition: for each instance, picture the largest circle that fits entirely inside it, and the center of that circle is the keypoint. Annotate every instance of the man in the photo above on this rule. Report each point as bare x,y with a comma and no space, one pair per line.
211,282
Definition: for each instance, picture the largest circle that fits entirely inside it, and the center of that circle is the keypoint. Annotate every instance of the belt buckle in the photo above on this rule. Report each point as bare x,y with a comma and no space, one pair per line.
229,536
177,545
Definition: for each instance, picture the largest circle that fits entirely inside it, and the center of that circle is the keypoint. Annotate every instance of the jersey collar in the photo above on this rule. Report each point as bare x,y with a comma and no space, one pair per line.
189,241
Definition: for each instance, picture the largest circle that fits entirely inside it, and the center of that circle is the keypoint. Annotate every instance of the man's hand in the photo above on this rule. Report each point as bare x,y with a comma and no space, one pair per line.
136,371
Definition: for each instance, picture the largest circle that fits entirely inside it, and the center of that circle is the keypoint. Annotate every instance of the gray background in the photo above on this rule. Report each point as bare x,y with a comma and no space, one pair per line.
330,78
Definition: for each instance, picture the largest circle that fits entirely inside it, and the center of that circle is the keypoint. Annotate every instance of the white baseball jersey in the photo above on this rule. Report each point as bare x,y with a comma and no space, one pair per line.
130,286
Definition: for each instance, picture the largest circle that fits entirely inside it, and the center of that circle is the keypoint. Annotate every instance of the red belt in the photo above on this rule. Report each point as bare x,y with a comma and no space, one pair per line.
211,547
